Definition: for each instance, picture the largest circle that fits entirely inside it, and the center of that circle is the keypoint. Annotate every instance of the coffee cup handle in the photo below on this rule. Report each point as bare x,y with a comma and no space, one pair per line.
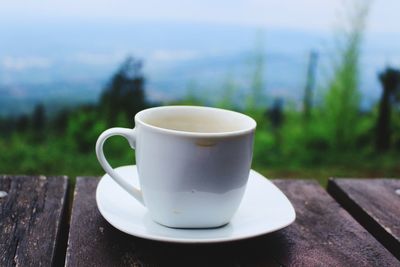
129,135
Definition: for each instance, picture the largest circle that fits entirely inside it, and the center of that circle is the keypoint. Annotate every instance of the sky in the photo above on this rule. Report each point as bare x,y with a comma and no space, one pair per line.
43,41
314,15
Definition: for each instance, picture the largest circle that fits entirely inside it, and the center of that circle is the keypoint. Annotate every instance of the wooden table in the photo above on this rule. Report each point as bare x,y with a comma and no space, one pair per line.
375,204
324,234
32,217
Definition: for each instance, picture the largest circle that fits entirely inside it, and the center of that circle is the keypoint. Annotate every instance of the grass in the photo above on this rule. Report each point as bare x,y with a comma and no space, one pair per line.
56,157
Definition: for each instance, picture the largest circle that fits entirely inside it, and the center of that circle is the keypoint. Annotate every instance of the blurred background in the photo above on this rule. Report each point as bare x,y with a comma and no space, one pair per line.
322,79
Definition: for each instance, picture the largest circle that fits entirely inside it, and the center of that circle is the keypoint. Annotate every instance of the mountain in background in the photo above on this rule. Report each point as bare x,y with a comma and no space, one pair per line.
69,63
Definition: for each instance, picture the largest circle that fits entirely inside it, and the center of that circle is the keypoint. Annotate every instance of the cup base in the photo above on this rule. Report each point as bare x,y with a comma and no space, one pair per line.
177,226
264,209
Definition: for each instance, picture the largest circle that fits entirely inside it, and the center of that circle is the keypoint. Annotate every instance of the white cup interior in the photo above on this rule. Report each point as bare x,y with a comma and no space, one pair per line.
193,119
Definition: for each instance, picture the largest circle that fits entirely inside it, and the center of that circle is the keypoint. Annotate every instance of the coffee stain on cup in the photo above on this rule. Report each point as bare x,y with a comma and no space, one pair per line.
205,143
176,212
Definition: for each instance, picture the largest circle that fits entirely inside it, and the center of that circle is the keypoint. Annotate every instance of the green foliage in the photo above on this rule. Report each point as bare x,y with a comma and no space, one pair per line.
342,100
84,127
65,144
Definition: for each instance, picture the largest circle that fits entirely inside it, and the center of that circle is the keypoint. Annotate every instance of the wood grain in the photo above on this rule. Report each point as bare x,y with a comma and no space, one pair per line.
324,234
375,204
31,213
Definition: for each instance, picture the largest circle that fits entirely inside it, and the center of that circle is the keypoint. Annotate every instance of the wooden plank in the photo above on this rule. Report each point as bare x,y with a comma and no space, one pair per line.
323,235
31,213
375,204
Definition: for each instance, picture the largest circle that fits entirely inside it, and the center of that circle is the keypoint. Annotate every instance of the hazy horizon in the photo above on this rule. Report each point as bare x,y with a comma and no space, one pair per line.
69,51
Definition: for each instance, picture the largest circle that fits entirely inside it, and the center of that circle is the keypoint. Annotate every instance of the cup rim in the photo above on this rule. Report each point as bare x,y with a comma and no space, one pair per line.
246,130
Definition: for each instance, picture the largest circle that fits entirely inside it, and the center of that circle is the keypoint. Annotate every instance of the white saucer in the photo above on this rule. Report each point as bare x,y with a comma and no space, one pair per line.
264,209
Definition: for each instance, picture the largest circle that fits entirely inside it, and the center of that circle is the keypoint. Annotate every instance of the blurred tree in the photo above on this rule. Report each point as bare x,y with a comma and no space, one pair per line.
275,113
342,101
39,122
310,83
390,80
38,118
125,93
275,116
60,121
22,123
8,125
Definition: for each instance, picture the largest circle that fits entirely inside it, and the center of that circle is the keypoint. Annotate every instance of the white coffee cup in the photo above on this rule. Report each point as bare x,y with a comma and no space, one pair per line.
193,163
